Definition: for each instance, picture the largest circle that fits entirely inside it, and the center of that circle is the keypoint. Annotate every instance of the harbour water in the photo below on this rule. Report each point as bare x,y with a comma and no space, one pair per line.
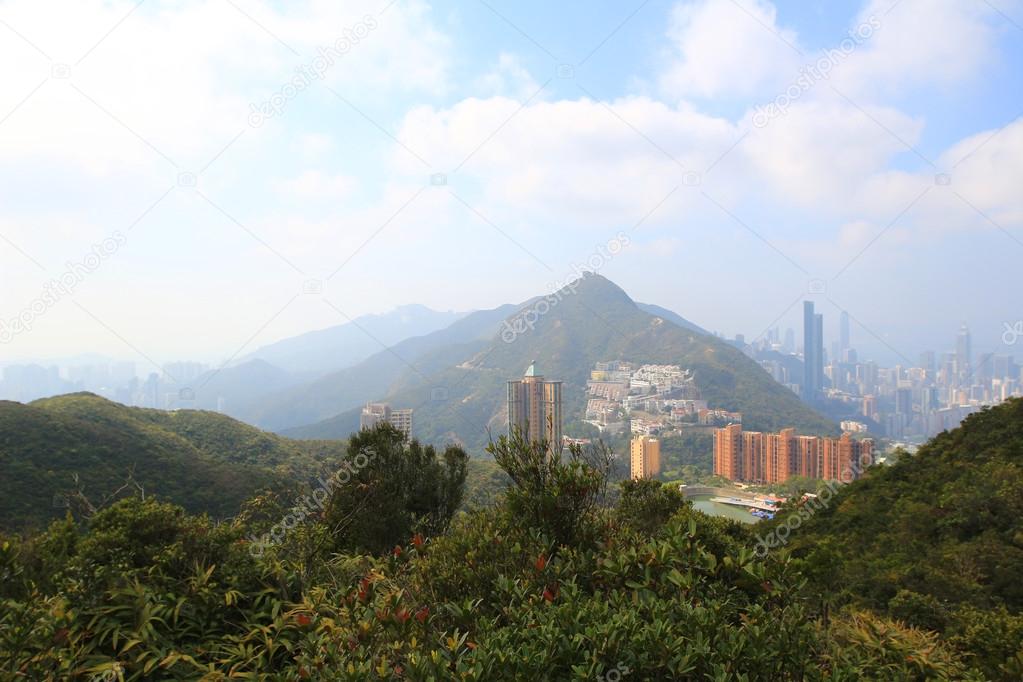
707,506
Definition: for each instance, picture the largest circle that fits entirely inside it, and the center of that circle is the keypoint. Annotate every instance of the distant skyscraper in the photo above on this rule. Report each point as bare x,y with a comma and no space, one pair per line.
964,353
790,341
534,407
843,334
646,457
869,409
813,353
1001,366
904,401
927,360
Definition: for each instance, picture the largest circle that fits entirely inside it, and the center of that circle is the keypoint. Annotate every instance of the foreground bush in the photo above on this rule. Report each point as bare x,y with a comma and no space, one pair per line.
649,589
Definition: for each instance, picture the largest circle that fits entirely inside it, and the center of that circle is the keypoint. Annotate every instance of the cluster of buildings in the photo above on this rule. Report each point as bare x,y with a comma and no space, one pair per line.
535,407
901,402
764,458
377,413
649,399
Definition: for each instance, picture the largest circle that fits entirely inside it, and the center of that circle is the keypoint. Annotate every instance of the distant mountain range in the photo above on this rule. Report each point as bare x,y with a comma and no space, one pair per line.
334,348
456,382
243,389
379,375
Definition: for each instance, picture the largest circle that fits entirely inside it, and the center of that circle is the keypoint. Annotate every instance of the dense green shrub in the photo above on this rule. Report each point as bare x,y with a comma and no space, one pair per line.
549,584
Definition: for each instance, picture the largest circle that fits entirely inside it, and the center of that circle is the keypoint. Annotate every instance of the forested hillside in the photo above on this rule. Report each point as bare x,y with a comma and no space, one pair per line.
203,461
383,579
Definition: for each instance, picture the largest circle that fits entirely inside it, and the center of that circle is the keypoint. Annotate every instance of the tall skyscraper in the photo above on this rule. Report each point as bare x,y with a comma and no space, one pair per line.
1001,366
843,335
904,400
927,360
646,457
789,346
964,353
534,407
813,353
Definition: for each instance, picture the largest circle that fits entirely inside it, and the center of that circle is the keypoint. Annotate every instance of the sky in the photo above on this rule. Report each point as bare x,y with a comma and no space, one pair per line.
188,179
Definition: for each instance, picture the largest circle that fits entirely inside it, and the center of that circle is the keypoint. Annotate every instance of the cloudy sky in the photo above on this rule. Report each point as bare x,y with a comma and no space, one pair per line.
202,177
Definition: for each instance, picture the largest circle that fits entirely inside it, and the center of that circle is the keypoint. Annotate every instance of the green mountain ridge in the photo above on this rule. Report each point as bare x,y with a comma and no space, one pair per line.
465,401
204,461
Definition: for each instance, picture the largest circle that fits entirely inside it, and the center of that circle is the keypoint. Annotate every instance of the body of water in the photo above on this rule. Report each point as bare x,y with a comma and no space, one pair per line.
704,504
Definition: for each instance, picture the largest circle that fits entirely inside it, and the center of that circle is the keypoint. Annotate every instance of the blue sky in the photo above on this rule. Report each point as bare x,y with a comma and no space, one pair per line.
556,128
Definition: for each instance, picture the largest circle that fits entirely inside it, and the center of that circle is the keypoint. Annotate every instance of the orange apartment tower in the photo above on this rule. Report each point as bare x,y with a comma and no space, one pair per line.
645,461
727,450
754,456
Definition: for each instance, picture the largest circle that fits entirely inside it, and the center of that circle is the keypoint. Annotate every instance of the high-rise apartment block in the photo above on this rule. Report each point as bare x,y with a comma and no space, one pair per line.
534,408
646,457
375,413
755,457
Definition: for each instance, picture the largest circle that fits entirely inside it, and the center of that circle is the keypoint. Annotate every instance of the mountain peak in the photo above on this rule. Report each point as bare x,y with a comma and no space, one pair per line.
594,288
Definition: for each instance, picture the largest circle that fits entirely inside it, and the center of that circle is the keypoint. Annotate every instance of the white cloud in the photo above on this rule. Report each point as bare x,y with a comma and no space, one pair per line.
583,161
726,48
313,145
178,78
313,184
508,78
824,147
919,44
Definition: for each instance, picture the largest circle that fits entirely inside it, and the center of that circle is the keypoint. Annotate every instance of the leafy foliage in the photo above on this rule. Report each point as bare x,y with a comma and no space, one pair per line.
689,456
547,584
557,496
401,490
936,540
